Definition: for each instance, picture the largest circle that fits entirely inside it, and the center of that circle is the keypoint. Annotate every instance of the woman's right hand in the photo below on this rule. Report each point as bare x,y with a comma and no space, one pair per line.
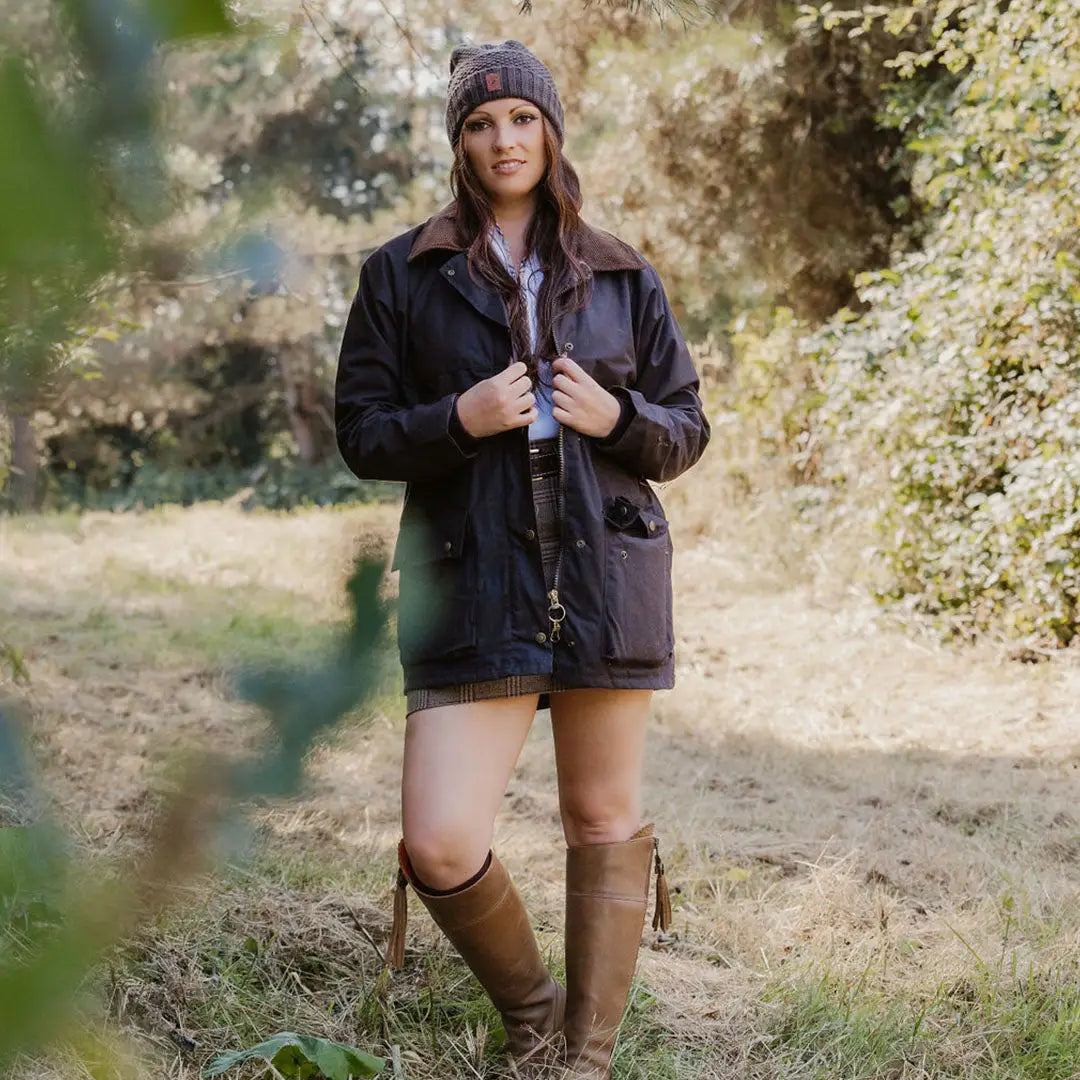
501,403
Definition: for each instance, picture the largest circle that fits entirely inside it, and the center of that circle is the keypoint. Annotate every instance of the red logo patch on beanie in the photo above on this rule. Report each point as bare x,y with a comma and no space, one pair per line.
494,80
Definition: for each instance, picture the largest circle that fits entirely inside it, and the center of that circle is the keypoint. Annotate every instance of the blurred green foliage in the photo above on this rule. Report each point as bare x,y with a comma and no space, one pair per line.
60,914
86,167
277,484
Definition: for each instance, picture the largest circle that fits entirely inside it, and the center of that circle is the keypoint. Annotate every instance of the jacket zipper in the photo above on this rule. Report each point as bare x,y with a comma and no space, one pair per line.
556,611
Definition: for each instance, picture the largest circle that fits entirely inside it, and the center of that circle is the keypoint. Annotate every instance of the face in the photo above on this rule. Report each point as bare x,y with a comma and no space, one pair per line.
504,142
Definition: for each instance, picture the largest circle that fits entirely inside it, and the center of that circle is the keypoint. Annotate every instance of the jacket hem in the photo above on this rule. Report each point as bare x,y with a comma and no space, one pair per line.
434,675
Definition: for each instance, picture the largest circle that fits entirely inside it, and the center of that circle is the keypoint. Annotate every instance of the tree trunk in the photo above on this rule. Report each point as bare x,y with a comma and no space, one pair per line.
25,465
303,400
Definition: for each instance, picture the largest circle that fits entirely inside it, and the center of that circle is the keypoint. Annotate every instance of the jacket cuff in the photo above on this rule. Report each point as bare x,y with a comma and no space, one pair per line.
626,414
467,444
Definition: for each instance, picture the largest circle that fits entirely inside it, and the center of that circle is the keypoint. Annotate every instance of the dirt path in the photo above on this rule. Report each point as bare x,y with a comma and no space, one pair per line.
828,792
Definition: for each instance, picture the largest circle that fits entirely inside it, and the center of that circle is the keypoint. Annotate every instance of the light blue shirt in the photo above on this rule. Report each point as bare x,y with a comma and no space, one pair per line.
545,426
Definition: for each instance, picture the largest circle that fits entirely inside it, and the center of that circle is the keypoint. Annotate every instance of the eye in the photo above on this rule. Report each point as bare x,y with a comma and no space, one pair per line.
527,117
475,125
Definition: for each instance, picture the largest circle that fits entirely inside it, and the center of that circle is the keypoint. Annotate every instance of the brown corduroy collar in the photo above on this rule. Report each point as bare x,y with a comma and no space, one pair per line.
598,250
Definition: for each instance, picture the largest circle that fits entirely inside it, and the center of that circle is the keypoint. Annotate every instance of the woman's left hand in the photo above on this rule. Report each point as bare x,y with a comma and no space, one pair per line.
581,402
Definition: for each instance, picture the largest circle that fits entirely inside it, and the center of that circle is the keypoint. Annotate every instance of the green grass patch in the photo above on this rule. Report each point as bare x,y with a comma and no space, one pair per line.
317,873
161,623
64,523
646,1049
249,956
984,1028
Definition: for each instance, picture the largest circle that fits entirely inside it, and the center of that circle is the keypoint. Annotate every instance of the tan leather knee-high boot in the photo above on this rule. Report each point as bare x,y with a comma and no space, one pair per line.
487,923
607,889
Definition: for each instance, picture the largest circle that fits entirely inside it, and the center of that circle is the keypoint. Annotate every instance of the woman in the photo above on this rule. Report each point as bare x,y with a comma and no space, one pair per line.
523,373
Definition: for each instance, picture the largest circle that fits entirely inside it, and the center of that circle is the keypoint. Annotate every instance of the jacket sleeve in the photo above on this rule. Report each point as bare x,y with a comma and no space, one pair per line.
663,429
381,434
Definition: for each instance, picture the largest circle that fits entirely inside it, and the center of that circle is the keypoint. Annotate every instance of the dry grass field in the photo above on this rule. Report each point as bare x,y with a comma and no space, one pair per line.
873,839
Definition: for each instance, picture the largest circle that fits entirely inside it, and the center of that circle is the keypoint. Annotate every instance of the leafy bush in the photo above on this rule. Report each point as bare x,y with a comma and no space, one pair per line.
948,407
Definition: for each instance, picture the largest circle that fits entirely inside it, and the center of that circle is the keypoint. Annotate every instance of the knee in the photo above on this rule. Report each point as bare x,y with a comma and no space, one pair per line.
599,818
442,856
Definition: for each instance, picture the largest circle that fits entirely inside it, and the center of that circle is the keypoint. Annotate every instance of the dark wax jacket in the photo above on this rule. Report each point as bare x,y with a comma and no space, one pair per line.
472,606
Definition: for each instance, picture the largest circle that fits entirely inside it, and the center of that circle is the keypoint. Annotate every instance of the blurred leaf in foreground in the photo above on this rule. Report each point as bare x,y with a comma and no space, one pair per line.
299,1057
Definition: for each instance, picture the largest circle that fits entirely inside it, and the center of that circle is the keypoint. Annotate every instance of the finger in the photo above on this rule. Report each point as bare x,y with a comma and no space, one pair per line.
516,406
565,366
524,419
561,416
562,382
563,401
514,372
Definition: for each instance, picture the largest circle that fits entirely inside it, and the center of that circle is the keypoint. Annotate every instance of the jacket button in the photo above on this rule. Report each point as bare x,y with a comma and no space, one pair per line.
448,545
652,526
624,554
541,637
568,347
530,534
451,272
579,543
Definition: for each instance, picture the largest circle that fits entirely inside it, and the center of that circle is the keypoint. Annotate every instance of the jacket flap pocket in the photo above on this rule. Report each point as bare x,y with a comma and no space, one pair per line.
625,516
423,540
653,524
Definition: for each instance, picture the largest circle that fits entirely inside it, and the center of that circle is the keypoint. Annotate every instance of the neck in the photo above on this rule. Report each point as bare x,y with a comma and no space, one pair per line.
515,215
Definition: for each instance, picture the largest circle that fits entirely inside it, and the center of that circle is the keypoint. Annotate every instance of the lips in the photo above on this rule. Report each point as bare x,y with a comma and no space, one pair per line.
507,167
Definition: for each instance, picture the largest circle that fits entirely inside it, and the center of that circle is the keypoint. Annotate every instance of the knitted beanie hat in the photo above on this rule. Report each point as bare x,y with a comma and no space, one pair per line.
480,73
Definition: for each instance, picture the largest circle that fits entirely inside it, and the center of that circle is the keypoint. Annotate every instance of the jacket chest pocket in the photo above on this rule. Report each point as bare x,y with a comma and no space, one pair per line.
637,626
451,350
604,348
436,612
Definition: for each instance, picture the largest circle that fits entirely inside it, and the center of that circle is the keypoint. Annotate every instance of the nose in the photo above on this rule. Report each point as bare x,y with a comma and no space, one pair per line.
505,137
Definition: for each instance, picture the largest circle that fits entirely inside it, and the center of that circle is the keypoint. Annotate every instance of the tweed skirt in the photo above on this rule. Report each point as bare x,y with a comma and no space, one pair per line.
544,470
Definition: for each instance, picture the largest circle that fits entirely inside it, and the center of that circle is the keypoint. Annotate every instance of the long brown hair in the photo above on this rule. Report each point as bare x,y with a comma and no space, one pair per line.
552,235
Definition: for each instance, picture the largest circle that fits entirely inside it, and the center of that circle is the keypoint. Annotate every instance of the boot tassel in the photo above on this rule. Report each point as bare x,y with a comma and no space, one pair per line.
395,945
662,910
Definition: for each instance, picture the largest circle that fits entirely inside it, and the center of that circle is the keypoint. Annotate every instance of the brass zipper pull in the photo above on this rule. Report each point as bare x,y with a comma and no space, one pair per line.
556,613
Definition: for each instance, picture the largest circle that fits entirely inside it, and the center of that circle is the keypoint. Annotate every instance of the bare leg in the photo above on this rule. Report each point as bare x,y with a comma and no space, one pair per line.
599,744
458,762
599,751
